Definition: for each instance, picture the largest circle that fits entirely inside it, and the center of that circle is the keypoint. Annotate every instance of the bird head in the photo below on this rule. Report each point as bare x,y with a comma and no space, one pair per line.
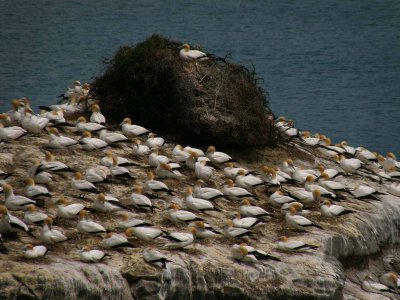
185,47
316,194
3,210
189,191
82,119
150,175
310,179
200,224
86,134
53,130
101,197
211,149
327,203
138,189
325,176
29,181
32,208
78,175
246,202
165,166
243,250
229,183
283,238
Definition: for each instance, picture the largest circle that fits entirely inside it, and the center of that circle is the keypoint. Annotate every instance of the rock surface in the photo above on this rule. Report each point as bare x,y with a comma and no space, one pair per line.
205,270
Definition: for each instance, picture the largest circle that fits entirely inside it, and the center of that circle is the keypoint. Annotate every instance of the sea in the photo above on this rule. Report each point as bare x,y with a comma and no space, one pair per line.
332,67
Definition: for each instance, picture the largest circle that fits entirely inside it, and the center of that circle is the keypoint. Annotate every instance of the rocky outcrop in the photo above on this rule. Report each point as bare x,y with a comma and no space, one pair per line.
204,271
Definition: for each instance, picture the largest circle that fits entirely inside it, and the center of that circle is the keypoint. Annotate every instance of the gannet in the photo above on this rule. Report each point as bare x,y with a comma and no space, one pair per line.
164,170
233,192
121,161
38,175
139,200
10,223
365,192
288,167
176,215
217,157
130,130
155,158
394,188
87,226
205,193
58,141
89,144
389,163
179,240
115,240
83,186
390,279
97,116
298,222
139,149
50,235
32,123
146,234
299,208
302,195
308,139
270,177
5,120
11,133
331,185
117,171
49,163
15,202
75,91
156,186
241,253
56,117
97,174
197,204
102,205
68,211
349,165
179,154
153,256
374,287
247,181
258,254
231,172
153,141
349,150
34,217
83,125
204,230
92,255
189,150
15,114
330,172
35,191
191,160
202,171
330,210
248,210
300,176
310,186
33,252
191,55
128,222
279,198
112,137
293,245
235,232
248,222
365,155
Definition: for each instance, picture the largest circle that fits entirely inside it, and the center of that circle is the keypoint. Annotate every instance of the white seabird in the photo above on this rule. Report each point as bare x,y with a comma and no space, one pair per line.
83,125
92,255
87,226
192,55
33,252
89,144
130,130
11,133
50,235
15,202
293,245
97,116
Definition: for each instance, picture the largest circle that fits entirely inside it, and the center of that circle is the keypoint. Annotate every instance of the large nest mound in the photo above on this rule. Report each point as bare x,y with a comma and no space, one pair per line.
210,102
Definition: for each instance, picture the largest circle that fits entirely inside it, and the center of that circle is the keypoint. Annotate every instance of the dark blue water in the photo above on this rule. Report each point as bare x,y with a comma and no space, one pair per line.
331,66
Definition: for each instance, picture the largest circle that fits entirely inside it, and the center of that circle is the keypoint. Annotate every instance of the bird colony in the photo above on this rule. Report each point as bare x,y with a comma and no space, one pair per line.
112,190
